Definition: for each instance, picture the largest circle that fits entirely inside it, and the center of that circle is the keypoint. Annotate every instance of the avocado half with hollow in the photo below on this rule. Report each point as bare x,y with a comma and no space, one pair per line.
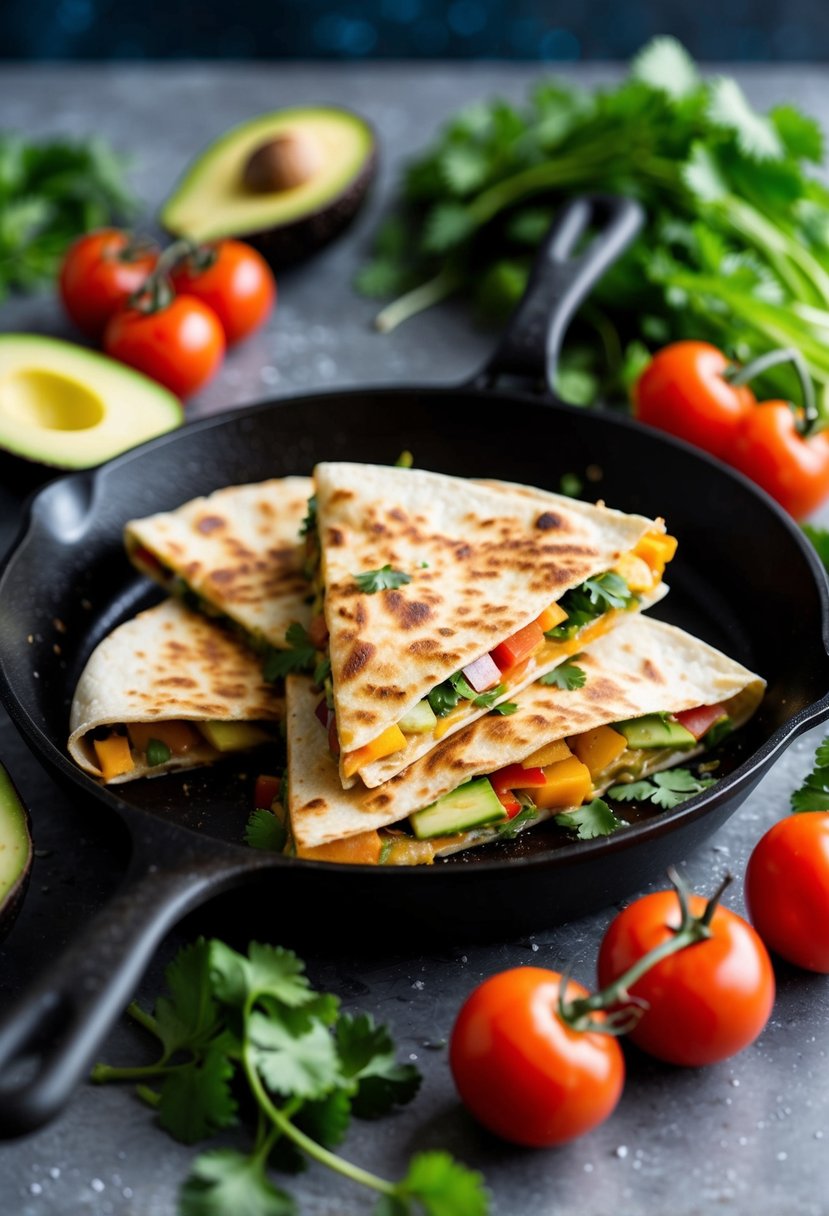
286,182
69,407
16,851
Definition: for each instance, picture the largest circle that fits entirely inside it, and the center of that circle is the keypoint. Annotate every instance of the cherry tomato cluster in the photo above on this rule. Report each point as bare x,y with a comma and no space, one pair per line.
691,390
168,314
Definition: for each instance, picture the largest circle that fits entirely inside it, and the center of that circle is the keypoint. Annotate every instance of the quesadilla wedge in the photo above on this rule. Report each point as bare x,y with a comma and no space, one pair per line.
437,599
236,555
168,690
647,697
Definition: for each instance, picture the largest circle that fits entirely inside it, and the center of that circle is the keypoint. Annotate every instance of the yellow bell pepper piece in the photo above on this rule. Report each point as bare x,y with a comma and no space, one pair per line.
114,756
636,572
598,748
550,617
550,753
180,737
391,740
568,785
362,849
657,549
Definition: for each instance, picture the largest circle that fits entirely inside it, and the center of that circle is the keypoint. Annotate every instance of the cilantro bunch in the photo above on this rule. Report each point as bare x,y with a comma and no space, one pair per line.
50,193
736,248
249,1031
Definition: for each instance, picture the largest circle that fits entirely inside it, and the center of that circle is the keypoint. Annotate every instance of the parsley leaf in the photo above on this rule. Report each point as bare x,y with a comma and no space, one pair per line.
265,831
225,1181
591,820
566,676
384,579
666,790
813,794
301,655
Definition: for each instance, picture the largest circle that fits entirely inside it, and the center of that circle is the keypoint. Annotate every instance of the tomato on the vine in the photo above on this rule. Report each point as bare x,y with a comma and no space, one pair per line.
792,467
522,1071
705,1002
180,344
685,390
99,273
232,279
787,889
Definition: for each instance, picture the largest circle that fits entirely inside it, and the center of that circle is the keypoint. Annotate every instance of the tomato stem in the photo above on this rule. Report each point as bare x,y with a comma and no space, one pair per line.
809,421
619,1020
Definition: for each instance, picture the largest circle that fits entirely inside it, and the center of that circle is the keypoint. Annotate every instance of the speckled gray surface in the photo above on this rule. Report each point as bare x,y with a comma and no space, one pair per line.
747,1136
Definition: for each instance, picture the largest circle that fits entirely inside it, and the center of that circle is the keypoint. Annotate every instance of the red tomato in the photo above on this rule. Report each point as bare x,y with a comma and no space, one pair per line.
770,450
523,1072
684,391
180,345
99,273
700,720
707,1001
787,889
237,284
266,790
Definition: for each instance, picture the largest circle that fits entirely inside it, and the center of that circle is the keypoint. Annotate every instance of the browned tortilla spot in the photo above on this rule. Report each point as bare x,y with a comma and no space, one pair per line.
341,496
385,692
407,613
360,654
463,551
445,632
424,645
335,537
548,520
365,715
651,672
223,576
209,523
178,682
314,804
360,614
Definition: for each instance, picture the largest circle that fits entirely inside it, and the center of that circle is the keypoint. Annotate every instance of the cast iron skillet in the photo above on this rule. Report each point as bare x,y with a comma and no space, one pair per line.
744,580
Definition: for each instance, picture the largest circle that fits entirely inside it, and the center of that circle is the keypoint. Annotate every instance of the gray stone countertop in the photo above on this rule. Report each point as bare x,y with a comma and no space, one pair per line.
749,1135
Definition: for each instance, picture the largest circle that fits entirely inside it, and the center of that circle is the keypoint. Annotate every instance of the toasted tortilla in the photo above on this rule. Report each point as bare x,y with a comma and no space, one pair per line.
483,563
239,550
167,664
644,666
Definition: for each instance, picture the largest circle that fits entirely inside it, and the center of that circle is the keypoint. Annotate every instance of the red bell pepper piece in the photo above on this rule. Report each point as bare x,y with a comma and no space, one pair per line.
518,647
266,791
510,803
515,777
700,720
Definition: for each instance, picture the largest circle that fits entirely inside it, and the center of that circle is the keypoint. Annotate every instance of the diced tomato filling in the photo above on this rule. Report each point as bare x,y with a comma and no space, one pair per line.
510,803
700,720
318,631
516,777
518,647
333,737
266,791
146,558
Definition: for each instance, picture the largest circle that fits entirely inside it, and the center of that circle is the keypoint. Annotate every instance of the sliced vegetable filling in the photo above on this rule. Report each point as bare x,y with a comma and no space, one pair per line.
121,748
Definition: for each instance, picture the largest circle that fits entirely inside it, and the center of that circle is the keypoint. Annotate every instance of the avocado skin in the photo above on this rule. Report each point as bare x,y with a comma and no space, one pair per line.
287,244
12,902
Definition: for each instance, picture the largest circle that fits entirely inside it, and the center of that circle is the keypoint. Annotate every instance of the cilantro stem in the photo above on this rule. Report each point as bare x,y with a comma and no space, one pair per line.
305,1143
418,300
103,1073
143,1018
150,1096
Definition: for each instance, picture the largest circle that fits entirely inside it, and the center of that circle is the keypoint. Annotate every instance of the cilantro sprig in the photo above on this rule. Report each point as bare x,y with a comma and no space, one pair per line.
384,579
591,599
447,695
666,790
591,820
235,1028
566,676
300,655
813,794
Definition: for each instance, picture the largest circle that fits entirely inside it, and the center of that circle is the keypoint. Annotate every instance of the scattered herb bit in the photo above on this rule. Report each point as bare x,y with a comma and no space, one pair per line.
423,565
590,600
50,193
485,700
813,794
309,523
384,579
591,820
265,831
719,731
446,696
505,709
405,460
301,655
157,752
571,485
666,789
237,1030
608,590
443,698
566,676
322,671
509,830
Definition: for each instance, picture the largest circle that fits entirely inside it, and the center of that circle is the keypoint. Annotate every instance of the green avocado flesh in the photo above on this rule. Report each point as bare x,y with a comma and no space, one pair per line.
15,846
466,807
69,407
653,730
213,201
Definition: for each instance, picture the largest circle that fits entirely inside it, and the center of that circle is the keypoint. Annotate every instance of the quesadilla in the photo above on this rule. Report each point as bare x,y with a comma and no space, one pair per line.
168,690
647,697
437,599
236,555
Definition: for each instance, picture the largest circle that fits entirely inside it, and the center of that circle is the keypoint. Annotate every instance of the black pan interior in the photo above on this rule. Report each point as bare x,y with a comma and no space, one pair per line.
743,579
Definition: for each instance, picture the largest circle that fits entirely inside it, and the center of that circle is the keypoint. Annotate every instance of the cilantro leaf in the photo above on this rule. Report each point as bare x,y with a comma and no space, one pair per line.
305,1065
300,655
196,1099
485,700
366,1055
462,686
225,1181
443,698
442,1187
506,709
509,830
728,108
591,820
384,579
608,590
265,831
267,971
666,790
309,522
326,1119
665,64
632,791
566,676
813,794
447,225
188,1016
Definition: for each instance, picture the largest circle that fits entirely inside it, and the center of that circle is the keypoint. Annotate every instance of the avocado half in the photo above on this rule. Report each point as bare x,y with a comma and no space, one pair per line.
69,407
287,183
16,852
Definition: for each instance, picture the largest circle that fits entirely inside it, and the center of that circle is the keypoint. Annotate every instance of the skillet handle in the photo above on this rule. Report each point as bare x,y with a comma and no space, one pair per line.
559,283
49,1039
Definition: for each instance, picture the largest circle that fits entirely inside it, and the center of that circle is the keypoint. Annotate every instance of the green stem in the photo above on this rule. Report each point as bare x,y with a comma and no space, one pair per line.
774,358
691,929
150,1096
305,1143
418,300
103,1073
144,1019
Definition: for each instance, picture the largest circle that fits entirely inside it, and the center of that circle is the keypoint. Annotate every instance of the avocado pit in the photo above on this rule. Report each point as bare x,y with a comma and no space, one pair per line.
283,163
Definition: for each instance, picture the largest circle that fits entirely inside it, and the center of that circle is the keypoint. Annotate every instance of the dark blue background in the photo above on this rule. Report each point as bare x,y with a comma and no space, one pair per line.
360,29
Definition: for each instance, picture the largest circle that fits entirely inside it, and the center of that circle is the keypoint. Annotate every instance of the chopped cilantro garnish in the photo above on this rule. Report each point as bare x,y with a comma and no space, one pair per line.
443,698
666,789
566,676
384,579
813,794
157,752
590,600
322,671
301,655
485,700
608,590
505,709
447,695
309,523
265,831
509,830
591,820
